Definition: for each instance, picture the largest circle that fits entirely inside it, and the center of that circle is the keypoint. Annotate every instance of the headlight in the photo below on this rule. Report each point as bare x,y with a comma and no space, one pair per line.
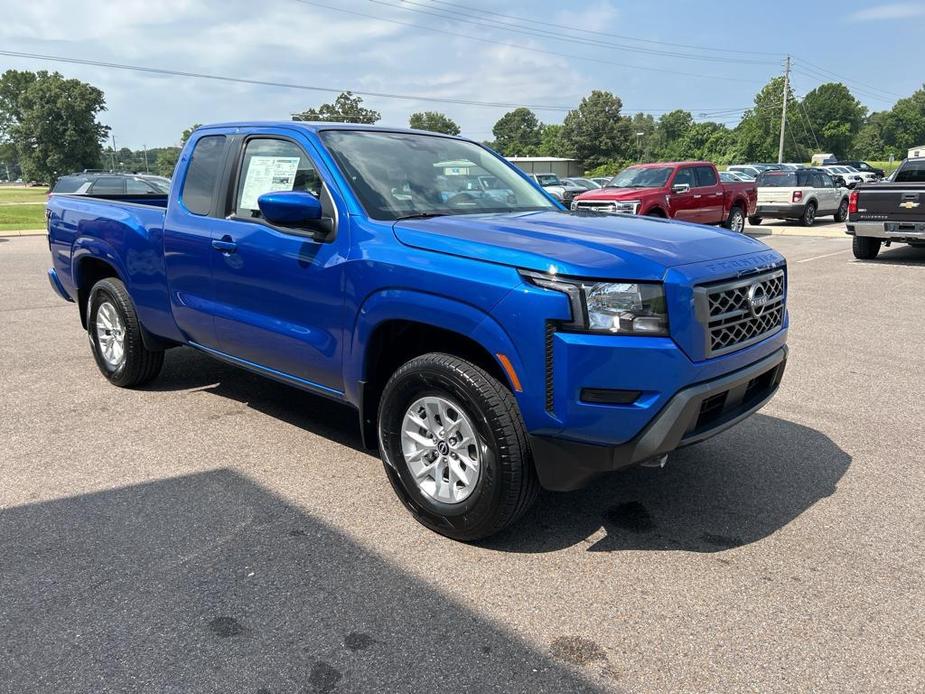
626,206
618,308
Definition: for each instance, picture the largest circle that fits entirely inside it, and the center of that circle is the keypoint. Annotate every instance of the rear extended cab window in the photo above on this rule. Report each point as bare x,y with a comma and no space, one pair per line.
203,173
911,172
705,176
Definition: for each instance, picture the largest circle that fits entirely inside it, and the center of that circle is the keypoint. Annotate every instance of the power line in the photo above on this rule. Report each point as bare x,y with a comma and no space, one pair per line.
518,46
608,34
315,88
556,35
283,85
847,80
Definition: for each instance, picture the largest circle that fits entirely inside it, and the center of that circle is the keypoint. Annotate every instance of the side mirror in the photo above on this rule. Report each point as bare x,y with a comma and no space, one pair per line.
680,188
289,207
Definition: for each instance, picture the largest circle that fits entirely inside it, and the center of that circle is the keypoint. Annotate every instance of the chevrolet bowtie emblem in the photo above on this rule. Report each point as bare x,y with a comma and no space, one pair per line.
909,205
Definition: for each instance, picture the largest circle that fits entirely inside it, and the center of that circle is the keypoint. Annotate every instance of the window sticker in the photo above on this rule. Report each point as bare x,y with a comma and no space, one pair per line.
265,175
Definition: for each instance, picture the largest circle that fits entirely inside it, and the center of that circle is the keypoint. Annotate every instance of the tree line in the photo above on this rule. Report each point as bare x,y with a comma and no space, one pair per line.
49,126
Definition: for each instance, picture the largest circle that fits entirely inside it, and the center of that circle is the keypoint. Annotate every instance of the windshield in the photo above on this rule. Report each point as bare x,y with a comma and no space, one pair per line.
398,175
641,177
548,180
778,179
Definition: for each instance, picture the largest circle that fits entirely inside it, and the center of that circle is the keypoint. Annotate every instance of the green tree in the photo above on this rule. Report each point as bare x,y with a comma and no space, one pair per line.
834,115
595,132
550,141
643,128
51,122
346,108
518,133
869,144
165,159
759,131
903,126
434,122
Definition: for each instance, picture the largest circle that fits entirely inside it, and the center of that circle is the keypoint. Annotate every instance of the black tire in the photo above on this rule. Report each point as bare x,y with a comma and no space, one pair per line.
808,218
841,214
865,247
656,213
736,220
754,220
139,364
507,484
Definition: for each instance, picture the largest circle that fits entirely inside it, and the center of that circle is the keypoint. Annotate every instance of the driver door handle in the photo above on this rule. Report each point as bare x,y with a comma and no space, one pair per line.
224,245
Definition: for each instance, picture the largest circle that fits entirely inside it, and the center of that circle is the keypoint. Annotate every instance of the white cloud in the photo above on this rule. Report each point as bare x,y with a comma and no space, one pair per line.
895,10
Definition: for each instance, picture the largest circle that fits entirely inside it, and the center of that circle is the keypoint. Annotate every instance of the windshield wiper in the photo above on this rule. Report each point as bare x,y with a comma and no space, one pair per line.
421,215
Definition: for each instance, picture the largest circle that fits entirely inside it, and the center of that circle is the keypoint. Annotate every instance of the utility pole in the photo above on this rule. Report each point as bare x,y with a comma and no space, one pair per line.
783,113
112,158
145,149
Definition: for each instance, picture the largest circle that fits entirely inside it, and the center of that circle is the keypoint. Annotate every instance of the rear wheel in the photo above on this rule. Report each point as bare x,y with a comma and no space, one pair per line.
454,447
865,247
736,220
841,214
754,221
115,337
809,215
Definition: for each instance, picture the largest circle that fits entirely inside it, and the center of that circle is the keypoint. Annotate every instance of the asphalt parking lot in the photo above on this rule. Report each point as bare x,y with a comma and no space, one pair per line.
216,532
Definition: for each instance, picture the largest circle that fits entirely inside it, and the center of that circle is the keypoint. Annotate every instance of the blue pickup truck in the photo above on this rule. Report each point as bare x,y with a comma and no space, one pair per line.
490,344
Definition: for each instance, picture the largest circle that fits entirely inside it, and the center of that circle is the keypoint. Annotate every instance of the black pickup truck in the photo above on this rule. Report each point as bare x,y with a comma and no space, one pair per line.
890,211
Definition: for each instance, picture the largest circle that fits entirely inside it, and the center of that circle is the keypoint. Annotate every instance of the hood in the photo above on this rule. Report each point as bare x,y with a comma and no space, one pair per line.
593,245
619,193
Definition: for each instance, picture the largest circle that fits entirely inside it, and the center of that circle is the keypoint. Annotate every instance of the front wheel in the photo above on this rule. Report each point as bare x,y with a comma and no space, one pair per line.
865,247
115,337
454,447
736,220
809,215
841,214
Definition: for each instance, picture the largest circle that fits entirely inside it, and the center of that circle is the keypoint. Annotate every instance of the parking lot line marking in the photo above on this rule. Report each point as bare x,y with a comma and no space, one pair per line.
827,255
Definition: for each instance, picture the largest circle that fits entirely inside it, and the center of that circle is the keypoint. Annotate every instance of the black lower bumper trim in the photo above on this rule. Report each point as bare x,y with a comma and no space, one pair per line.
694,414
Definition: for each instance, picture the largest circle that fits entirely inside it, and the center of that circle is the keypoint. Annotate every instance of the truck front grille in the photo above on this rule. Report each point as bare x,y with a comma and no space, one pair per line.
741,312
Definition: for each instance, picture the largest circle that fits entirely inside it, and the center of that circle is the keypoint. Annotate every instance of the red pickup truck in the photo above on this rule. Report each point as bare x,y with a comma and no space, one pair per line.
690,191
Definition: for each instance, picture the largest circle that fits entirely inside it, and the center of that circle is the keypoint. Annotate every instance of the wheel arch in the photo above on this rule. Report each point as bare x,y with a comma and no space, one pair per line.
88,270
395,326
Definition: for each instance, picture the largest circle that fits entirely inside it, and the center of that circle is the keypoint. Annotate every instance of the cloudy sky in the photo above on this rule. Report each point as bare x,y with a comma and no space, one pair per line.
546,53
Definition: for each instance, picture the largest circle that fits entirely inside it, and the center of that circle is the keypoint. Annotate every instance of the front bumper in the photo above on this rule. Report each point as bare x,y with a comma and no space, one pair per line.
888,231
780,211
693,414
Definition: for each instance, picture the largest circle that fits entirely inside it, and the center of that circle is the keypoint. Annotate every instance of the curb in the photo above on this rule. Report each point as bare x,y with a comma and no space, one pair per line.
790,231
23,232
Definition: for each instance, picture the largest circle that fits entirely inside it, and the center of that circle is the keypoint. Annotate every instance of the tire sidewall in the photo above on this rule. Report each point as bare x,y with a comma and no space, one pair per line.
736,213
807,219
100,295
842,213
399,394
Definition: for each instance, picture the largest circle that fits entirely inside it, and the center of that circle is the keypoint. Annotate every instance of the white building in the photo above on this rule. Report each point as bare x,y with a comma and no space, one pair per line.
563,168
917,151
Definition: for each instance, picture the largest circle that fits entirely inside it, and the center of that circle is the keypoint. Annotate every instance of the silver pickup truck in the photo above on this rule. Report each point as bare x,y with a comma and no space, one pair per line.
889,212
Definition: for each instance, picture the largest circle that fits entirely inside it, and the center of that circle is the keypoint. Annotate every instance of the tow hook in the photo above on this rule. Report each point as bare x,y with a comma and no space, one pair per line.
658,461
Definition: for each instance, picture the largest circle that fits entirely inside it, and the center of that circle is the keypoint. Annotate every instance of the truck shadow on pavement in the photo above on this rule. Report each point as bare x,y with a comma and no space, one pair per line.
188,369
729,491
208,582
898,255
